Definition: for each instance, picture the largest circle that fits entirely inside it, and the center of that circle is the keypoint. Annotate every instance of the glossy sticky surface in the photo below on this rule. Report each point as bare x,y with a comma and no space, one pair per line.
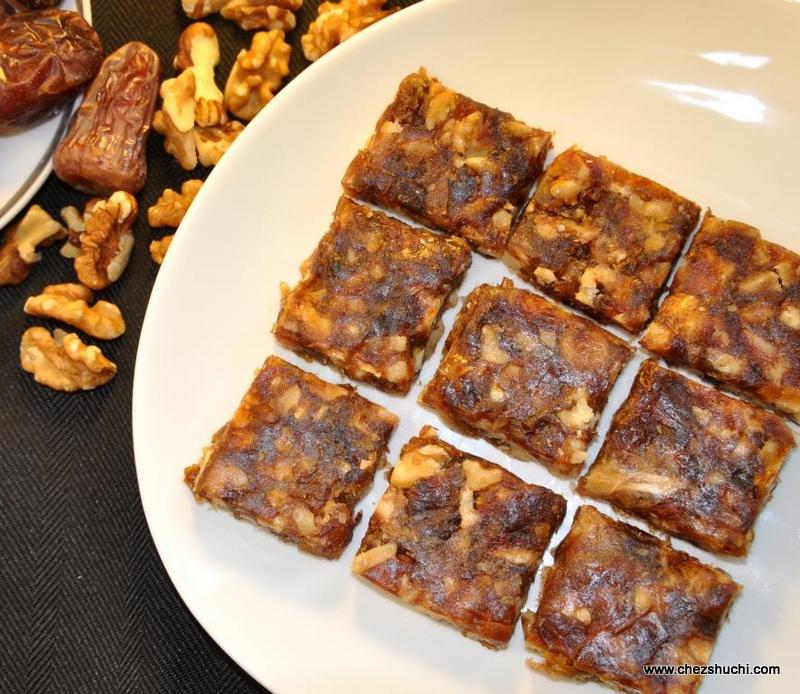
371,295
458,537
690,460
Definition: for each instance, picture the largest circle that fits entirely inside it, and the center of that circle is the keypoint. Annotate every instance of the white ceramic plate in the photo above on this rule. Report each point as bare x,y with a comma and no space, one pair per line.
27,155
701,96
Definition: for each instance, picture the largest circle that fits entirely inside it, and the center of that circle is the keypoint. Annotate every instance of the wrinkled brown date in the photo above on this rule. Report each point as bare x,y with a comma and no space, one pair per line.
11,6
104,148
46,57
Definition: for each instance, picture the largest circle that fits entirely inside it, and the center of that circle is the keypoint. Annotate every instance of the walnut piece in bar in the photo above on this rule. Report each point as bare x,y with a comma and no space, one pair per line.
602,238
526,375
371,296
733,313
617,599
449,162
690,460
296,457
459,538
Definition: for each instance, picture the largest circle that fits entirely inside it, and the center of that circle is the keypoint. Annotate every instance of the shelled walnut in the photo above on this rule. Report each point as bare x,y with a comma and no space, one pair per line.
18,250
337,22
172,205
257,74
168,212
159,248
192,117
69,303
248,14
62,361
262,14
105,245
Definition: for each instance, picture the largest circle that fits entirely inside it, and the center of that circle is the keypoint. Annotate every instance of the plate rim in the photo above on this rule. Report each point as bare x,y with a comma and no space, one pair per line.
35,180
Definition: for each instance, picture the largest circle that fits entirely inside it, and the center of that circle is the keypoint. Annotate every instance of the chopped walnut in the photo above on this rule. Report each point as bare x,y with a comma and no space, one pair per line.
62,362
159,248
198,53
18,249
172,206
262,14
69,303
257,74
107,242
337,22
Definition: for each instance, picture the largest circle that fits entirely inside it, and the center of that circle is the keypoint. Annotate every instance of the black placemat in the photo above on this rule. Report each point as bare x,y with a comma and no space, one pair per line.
86,603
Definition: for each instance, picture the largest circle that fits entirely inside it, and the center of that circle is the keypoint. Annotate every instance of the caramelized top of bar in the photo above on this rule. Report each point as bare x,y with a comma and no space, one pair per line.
296,457
690,460
526,374
733,313
618,599
449,162
601,238
458,537
371,295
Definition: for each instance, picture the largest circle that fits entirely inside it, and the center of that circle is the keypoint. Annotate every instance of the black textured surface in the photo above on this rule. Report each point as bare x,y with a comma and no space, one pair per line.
87,605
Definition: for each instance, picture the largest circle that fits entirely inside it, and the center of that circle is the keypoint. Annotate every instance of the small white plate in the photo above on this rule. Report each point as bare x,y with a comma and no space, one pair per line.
27,155
701,96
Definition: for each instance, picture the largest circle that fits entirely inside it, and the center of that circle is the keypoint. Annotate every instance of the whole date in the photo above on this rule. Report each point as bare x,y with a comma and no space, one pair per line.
104,149
46,57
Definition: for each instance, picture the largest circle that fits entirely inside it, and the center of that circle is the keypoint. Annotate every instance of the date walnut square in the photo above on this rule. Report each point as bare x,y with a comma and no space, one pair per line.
526,375
450,163
458,537
371,296
733,313
296,457
690,460
617,599
601,238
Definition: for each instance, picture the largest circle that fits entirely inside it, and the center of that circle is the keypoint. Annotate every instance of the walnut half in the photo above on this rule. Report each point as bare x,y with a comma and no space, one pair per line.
257,74
159,248
105,246
337,22
172,206
69,303
262,14
62,362
19,247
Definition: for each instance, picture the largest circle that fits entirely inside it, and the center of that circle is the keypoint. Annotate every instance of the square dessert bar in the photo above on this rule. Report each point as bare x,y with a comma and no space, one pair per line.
371,296
296,457
526,375
617,599
602,238
458,538
450,163
690,460
733,313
